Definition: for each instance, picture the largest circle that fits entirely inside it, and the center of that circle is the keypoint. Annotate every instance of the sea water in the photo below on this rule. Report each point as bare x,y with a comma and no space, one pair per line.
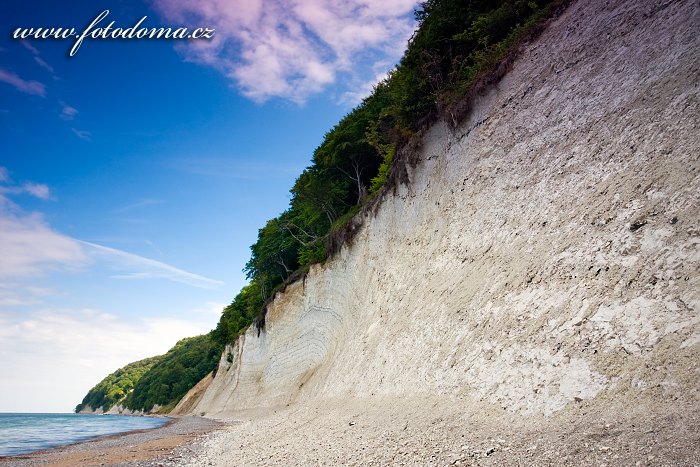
21,433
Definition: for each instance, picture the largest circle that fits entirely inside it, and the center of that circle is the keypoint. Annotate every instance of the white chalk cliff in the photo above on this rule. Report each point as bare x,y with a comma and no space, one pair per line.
545,254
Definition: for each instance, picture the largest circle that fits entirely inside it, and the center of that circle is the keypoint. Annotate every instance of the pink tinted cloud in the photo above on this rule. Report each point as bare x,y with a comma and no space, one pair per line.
68,112
43,64
30,47
28,87
293,48
39,190
9,188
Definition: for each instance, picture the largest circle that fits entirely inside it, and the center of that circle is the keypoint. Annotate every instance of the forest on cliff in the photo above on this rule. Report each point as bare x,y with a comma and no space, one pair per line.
458,50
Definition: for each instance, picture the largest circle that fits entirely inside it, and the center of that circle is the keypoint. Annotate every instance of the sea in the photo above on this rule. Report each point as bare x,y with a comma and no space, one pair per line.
22,433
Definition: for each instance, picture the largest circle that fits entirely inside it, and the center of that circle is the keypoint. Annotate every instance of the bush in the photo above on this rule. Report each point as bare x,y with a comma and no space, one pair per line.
175,373
112,389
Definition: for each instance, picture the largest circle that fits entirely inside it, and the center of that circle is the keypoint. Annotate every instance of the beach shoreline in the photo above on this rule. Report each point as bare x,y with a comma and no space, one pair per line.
128,448
426,430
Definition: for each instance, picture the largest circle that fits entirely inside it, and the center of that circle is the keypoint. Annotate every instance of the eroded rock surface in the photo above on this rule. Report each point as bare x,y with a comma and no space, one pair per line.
542,264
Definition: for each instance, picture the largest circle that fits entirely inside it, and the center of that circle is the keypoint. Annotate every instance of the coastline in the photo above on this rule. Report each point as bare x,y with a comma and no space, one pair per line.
122,448
425,430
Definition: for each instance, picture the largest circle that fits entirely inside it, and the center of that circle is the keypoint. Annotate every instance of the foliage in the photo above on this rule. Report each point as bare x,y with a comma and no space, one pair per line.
237,316
175,373
116,386
451,54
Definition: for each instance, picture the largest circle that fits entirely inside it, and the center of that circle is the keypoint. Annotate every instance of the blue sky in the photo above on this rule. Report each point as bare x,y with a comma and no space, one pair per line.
135,174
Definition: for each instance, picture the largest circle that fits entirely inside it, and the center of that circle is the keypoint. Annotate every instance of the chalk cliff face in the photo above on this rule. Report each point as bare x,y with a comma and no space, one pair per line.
117,409
544,254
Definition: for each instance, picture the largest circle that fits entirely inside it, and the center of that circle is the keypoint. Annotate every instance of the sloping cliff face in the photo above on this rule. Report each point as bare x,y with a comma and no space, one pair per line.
544,254
190,400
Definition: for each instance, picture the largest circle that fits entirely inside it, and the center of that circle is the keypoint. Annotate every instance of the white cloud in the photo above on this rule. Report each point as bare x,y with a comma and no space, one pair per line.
30,247
16,294
39,190
40,291
68,112
26,86
52,357
294,48
37,58
131,266
82,134
9,299
30,47
39,61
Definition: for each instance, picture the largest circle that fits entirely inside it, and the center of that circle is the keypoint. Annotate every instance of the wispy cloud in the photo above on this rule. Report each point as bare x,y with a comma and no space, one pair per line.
139,204
131,266
16,294
37,58
8,187
39,61
26,86
31,247
11,297
153,246
293,49
68,112
82,134
30,47
37,189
